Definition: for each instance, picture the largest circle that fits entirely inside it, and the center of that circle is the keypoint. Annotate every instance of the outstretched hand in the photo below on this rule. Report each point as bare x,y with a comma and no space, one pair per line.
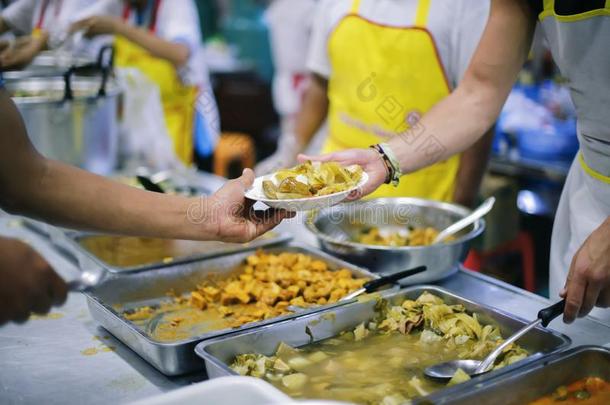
370,161
232,216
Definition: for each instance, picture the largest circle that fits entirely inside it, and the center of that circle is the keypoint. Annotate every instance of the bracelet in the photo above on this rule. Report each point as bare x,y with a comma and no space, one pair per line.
391,163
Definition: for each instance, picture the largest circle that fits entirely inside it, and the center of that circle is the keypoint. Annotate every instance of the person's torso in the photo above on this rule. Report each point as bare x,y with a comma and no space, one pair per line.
578,33
53,15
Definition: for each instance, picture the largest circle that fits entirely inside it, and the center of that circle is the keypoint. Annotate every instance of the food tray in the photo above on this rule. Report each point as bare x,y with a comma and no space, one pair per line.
219,353
535,380
149,288
196,251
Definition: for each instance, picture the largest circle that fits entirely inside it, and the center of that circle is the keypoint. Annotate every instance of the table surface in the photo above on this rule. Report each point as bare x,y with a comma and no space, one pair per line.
67,358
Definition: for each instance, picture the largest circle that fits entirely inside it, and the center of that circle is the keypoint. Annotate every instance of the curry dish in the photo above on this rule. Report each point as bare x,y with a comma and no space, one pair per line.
311,180
381,361
408,237
263,287
589,391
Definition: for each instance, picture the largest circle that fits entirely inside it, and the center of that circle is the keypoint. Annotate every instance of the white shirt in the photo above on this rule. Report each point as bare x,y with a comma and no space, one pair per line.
456,25
23,15
177,21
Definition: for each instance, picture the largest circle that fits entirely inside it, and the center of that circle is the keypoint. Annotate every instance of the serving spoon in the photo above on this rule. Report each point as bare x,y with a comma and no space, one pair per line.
445,371
477,214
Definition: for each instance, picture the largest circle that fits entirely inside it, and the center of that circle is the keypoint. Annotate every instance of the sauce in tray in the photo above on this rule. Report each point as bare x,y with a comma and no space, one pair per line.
589,391
381,361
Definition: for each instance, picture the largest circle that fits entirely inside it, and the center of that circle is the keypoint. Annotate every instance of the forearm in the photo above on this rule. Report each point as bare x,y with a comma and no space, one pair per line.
473,164
54,192
175,53
63,195
313,111
458,121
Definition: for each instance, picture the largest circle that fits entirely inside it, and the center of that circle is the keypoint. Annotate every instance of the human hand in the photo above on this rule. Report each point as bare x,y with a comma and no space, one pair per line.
370,161
22,52
97,25
232,216
28,283
588,282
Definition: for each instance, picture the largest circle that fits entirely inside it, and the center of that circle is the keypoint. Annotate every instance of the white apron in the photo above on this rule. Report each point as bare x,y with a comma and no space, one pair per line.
578,34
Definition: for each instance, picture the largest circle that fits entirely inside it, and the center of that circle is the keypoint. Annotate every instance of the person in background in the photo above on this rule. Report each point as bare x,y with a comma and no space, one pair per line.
577,34
34,186
162,39
377,66
290,23
38,25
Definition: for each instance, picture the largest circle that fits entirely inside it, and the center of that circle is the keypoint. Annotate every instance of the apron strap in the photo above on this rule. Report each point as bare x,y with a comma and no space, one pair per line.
355,7
43,11
423,10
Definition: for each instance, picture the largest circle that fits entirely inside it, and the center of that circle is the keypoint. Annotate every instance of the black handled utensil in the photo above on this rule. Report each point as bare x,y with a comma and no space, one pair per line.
372,285
149,185
444,371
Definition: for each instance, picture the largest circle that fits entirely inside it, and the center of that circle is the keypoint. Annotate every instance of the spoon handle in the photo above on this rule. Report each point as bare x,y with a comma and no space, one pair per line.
491,358
546,315
392,278
468,220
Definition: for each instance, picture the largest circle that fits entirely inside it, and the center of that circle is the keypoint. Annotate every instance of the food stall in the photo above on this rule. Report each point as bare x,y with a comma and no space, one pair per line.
67,355
386,299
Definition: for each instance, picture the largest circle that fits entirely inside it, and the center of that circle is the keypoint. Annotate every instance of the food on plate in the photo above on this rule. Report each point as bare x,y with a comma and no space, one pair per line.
381,361
410,236
588,391
263,287
311,180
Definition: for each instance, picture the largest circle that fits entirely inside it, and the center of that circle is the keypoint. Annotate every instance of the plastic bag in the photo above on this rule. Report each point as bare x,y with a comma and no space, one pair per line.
145,140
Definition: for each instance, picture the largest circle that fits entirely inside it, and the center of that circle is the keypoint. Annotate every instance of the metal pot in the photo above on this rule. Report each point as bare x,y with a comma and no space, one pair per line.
337,228
71,118
48,64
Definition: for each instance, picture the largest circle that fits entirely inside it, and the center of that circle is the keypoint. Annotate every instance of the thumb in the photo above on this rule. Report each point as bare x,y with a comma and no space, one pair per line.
322,158
247,178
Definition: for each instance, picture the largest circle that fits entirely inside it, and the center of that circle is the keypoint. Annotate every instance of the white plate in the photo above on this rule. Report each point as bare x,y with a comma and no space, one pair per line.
300,204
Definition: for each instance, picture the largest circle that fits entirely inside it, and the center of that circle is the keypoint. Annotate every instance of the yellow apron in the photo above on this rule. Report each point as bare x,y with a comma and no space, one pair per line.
382,78
178,100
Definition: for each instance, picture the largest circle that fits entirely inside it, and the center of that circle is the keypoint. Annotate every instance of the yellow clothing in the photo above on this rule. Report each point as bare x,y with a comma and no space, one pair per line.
383,79
178,100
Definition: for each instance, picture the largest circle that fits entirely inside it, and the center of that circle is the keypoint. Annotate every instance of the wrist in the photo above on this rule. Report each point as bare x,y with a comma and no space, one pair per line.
202,218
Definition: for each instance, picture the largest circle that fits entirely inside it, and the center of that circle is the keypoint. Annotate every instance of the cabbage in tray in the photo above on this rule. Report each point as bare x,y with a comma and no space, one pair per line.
311,180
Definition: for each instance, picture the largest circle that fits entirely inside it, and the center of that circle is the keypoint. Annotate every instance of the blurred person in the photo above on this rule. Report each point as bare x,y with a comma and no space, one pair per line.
290,23
38,25
577,34
162,39
377,66
51,191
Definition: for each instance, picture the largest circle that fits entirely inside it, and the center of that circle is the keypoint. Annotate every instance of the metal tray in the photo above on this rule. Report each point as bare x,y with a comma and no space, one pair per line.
535,380
209,249
149,288
219,353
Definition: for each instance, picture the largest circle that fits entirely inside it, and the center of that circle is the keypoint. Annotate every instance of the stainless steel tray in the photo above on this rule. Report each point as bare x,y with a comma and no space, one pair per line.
209,249
219,353
535,380
149,288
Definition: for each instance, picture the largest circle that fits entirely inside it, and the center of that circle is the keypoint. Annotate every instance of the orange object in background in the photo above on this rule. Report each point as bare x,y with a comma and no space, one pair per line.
234,152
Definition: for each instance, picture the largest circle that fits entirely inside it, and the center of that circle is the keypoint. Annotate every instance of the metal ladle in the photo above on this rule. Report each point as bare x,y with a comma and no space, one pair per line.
477,214
445,371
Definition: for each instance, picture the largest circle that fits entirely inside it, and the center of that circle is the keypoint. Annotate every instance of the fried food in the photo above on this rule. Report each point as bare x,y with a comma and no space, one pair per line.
381,361
311,180
262,288
408,237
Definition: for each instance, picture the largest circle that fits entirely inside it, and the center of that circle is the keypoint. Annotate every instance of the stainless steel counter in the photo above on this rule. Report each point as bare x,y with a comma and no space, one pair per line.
66,358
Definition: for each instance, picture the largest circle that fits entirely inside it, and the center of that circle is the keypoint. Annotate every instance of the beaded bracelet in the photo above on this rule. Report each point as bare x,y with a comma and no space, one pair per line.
391,163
